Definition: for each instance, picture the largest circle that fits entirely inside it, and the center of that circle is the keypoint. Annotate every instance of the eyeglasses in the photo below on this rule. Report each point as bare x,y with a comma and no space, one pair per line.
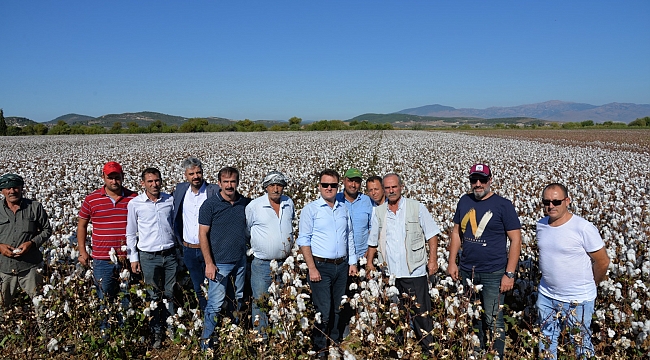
554,202
483,179
329,185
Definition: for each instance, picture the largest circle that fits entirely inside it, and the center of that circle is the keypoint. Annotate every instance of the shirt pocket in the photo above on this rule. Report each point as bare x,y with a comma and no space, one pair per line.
30,227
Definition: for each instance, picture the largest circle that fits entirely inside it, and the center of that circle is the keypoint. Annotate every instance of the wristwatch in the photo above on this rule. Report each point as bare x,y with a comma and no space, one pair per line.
510,274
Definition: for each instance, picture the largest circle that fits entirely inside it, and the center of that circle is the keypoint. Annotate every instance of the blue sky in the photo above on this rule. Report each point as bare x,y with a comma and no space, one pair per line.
316,59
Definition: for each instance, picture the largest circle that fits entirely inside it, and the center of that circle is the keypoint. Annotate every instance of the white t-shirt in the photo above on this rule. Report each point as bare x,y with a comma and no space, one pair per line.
564,261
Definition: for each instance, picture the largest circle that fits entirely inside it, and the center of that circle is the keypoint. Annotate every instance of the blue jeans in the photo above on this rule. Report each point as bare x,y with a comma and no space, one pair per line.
160,272
193,259
575,317
326,296
217,294
260,281
491,298
107,278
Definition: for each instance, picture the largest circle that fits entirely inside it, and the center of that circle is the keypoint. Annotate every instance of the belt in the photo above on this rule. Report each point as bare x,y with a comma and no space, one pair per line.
166,252
278,260
191,246
331,261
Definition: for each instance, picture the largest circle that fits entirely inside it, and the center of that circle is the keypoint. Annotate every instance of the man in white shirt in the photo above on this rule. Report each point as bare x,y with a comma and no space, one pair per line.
188,198
151,245
398,232
268,219
573,260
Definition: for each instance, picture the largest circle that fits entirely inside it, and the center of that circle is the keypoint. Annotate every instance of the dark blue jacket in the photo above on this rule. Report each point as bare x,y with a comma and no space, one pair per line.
179,196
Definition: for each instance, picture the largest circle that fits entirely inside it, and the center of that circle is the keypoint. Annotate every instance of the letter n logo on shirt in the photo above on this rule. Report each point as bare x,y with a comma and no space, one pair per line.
477,230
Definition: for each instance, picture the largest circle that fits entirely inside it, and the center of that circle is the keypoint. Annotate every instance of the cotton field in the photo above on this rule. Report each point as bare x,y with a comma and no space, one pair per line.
608,185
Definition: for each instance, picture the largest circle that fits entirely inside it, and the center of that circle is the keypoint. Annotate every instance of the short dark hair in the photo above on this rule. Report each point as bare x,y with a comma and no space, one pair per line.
151,170
329,172
556,185
227,171
373,178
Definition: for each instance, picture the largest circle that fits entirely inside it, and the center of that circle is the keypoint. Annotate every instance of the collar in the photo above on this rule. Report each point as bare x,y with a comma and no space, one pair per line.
202,189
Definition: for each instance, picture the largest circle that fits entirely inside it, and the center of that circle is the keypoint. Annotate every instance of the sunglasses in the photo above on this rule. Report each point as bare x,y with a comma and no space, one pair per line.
483,179
329,185
554,202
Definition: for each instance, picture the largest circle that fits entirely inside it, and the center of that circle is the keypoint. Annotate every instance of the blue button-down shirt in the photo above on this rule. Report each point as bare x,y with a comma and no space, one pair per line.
360,211
328,231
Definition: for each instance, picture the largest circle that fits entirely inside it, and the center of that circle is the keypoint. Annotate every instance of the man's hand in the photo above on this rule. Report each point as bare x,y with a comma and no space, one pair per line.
452,269
211,271
314,274
135,267
432,266
7,250
83,257
506,283
352,271
369,269
23,248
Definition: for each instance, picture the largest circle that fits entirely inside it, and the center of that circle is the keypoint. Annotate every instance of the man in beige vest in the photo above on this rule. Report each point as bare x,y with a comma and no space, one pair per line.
397,225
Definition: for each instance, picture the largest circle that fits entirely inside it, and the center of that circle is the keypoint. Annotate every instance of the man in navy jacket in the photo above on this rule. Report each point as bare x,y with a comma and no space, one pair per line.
188,198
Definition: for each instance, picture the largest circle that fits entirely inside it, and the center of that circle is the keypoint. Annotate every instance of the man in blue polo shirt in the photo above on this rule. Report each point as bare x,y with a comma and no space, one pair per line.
223,237
326,241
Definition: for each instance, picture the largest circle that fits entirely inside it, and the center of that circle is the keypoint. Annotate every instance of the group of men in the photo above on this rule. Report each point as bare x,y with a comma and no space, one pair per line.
214,225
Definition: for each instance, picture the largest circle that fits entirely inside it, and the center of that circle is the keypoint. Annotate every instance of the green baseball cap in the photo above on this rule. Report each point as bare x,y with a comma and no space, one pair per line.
352,173
11,181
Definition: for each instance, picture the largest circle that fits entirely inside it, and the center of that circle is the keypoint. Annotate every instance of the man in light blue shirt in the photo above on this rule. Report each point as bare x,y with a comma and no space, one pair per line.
327,243
397,225
268,219
359,207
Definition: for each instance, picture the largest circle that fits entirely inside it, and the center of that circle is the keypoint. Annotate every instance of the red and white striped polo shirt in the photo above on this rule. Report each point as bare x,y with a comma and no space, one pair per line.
109,221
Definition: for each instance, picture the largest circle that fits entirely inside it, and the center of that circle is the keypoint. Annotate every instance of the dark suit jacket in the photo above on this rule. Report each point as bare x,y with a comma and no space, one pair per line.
179,196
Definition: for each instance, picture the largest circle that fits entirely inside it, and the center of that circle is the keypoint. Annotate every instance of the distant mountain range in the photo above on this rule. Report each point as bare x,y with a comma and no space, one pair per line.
550,110
434,115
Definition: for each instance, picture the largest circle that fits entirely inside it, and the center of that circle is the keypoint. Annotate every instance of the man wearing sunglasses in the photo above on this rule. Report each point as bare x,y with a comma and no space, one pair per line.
327,244
483,223
573,260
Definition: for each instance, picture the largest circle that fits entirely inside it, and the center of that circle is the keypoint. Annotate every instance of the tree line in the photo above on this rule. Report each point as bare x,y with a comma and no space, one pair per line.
190,126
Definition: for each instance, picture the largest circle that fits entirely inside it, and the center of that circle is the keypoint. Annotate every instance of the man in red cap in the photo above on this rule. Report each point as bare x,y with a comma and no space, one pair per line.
483,223
106,208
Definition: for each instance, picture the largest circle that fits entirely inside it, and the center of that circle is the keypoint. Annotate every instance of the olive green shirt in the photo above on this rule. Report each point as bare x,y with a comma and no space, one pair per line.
28,223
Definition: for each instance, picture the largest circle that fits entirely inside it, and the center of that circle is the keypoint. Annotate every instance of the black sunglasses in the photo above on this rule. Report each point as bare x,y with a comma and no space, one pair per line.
554,202
329,185
483,179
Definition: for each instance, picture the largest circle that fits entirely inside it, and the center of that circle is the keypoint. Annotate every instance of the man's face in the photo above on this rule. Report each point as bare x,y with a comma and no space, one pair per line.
228,184
113,181
375,191
275,192
352,186
13,194
194,176
480,185
555,211
152,185
328,187
392,189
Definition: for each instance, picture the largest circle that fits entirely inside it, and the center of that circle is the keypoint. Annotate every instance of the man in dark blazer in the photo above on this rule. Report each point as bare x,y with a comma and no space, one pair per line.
188,198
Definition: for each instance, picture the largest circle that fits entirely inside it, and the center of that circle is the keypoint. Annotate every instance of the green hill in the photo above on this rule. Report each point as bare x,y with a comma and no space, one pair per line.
19,121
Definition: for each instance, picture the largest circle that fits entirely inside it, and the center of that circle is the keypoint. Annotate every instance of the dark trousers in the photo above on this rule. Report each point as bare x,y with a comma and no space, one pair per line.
418,287
326,296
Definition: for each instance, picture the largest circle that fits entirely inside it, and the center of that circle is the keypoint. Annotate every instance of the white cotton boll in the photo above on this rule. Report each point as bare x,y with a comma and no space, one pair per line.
363,261
434,293
286,278
274,266
371,337
362,273
297,283
392,291
153,305
391,280
353,286
170,320
304,323
303,266
53,345
317,317
180,311
37,300
47,288
113,255
125,274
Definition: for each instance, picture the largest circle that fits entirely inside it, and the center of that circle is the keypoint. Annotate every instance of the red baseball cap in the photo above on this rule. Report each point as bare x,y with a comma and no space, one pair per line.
112,167
480,169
